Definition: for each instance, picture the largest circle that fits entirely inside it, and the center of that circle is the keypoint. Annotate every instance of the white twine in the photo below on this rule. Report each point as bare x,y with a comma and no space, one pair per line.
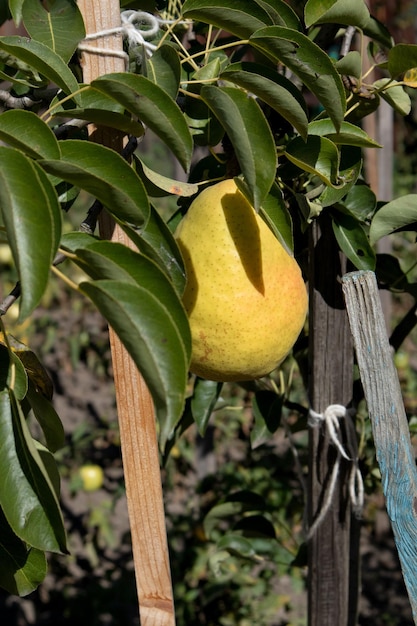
132,30
331,420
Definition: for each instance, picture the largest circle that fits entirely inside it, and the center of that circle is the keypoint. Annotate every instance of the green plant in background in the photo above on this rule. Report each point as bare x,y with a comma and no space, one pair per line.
256,87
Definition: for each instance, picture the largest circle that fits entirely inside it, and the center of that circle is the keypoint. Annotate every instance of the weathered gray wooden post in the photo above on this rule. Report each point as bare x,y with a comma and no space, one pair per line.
389,422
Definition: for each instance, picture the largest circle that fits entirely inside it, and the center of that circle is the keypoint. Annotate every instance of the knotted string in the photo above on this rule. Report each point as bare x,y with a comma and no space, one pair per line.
331,420
132,30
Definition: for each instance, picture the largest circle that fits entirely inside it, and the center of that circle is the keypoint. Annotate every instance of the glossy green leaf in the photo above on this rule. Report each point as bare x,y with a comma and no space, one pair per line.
395,215
267,409
16,10
204,126
154,107
12,372
391,276
105,175
311,64
25,131
47,418
350,168
152,338
33,223
41,58
275,213
98,109
317,156
22,568
114,261
274,89
56,23
250,135
27,496
394,94
158,185
353,241
352,13
157,242
240,17
164,69
348,135
377,31
360,201
281,13
350,64
203,401
401,58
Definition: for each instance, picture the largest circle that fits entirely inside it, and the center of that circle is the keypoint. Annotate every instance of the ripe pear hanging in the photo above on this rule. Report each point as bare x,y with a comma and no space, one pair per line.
245,296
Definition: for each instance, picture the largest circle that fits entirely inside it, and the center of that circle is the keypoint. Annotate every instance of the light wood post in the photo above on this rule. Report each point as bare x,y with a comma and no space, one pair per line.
134,403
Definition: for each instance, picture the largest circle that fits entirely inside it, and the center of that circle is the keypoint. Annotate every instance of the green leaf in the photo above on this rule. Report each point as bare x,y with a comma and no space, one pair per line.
352,13
114,261
267,409
350,64
237,545
250,135
398,214
240,17
281,13
22,568
350,169
12,372
164,69
274,89
16,7
378,32
43,59
27,495
32,218
154,107
56,23
394,94
353,241
401,58
312,66
151,336
360,201
317,155
105,175
98,109
348,134
203,401
275,213
47,418
158,185
25,131
392,277
236,504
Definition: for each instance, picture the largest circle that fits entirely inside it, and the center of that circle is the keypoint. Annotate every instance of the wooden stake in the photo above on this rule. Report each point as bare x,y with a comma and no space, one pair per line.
334,548
394,451
134,403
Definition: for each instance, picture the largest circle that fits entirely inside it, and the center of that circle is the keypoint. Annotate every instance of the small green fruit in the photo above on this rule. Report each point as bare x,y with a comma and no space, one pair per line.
92,477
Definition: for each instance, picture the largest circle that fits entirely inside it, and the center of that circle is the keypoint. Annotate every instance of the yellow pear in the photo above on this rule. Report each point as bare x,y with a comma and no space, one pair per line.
245,296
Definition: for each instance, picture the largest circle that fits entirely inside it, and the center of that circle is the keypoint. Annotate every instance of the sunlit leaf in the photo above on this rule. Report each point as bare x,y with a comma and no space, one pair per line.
349,134
250,135
240,17
164,69
311,64
154,107
152,338
27,496
401,58
274,89
352,13
353,241
398,214
43,59
56,23
25,131
394,94
317,155
203,401
33,222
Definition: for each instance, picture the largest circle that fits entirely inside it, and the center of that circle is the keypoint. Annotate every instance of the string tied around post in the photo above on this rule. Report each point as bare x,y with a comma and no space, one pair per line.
136,27
330,418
